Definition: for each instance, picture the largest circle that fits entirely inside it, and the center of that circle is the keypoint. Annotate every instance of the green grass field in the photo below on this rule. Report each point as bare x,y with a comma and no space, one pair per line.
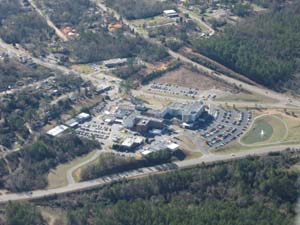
255,134
254,98
266,129
58,176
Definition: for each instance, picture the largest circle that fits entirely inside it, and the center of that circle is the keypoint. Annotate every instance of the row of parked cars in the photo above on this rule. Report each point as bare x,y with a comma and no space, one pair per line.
226,127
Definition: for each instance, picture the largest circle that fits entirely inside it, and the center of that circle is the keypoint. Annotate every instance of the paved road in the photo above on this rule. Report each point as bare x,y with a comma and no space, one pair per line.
200,21
70,172
60,34
234,156
12,51
152,170
144,172
283,99
16,90
240,104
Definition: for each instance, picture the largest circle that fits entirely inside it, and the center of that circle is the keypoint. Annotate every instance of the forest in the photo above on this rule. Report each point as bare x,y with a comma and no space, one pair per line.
265,48
13,72
33,162
262,3
108,164
31,108
250,191
25,27
139,9
65,11
23,214
100,45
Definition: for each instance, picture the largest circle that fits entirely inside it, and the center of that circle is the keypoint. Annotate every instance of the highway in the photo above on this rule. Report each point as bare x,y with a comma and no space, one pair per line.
140,173
144,172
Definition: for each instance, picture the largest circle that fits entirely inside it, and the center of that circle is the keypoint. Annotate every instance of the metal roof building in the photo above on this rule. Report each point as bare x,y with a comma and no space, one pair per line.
57,130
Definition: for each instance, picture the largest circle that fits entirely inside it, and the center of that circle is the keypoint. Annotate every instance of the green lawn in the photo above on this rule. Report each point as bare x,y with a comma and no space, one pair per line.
265,130
58,176
260,132
243,97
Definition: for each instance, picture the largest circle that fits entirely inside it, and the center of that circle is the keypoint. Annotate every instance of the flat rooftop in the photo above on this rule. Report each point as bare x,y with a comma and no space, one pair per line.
170,11
57,130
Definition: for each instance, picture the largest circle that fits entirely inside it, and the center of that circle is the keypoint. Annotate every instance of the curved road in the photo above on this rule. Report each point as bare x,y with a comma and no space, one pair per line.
70,172
200,21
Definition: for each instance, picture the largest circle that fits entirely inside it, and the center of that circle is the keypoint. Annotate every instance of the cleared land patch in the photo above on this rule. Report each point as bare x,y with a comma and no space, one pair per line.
188,78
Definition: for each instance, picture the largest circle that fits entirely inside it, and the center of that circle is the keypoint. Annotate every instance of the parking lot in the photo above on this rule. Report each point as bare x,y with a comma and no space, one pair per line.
226,127
94,130
172,89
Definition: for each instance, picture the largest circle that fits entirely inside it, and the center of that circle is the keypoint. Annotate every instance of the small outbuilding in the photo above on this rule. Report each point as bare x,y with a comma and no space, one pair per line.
171,13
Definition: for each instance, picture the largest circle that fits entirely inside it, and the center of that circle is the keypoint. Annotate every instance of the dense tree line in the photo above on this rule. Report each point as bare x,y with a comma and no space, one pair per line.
183,31
13,72
230,3
8,7
264,48
101,45
65,11
35,160
158,73
24,26
23,214
93,43
130,71
244,192
111,164
91,47
138,9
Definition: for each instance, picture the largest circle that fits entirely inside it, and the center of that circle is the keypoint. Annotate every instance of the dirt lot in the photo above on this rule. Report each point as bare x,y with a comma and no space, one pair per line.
187,78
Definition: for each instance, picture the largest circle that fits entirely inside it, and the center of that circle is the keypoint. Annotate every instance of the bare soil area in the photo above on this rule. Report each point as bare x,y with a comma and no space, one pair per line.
188,78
